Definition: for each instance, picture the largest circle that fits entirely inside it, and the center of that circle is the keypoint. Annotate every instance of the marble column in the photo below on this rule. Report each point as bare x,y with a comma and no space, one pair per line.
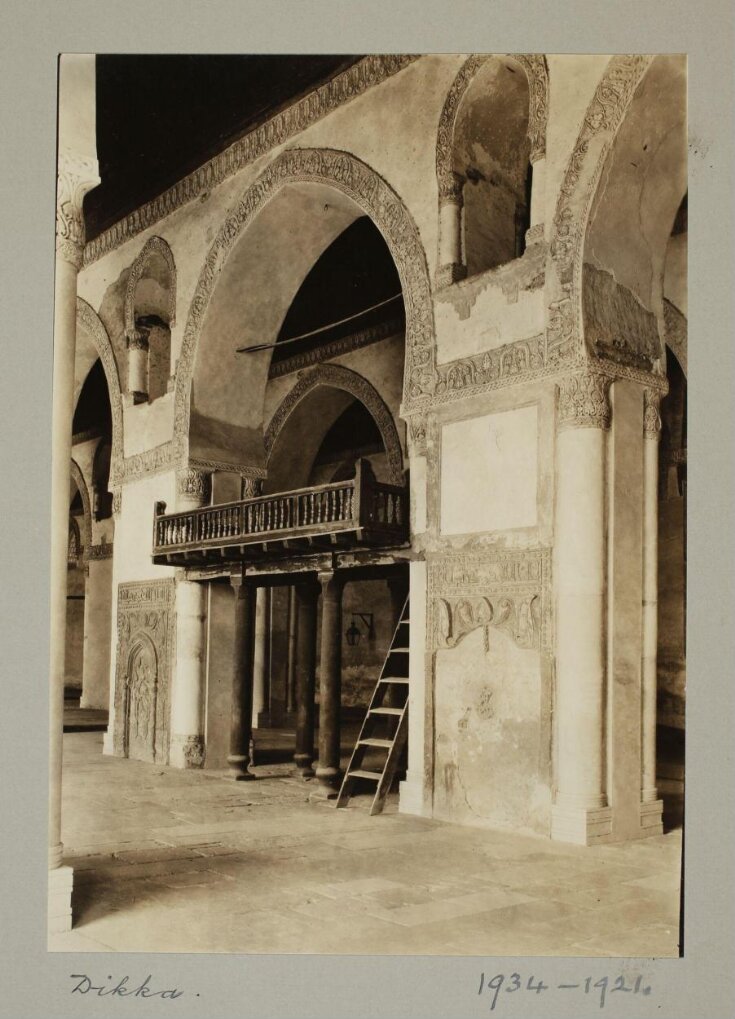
306,596
652,435
451,264
330,686
137,343
260,654
239,757
76,176
187,694
580,813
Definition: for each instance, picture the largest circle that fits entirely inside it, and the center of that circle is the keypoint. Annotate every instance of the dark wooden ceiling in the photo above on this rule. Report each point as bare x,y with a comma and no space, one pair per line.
161,116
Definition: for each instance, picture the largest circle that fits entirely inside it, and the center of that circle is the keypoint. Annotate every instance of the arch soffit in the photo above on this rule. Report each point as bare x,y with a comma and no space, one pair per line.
534,66
88,318
676,328
350,382
377,199
152,247
78,479
605,113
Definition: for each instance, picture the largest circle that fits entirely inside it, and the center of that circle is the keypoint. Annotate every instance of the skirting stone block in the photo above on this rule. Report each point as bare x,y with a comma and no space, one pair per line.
580,826
411,798
60,884
652,818
107,743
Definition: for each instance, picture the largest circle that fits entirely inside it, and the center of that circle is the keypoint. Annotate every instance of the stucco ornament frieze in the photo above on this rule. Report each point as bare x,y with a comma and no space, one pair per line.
505,589
76,175
352,82
251,488
101,551
192,750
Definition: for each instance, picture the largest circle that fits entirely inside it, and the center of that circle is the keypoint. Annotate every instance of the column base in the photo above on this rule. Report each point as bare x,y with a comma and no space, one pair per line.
186,751
329,781
303,766
60,885
582,826
239,766
411,797
652,818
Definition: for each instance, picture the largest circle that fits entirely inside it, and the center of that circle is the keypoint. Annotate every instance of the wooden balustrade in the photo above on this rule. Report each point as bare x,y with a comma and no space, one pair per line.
362,506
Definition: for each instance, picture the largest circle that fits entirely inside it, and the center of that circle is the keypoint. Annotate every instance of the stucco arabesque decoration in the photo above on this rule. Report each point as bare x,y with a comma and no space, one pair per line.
352,82
145,615
152,247
374,196
506,589
76,175
359,387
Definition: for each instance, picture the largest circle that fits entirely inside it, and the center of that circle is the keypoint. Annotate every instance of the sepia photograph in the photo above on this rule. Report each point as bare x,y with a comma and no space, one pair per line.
368,505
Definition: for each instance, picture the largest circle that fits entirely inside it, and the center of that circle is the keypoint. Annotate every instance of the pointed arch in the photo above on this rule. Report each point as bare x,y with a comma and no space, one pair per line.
89,320
154,247
78,478
350,382
370,193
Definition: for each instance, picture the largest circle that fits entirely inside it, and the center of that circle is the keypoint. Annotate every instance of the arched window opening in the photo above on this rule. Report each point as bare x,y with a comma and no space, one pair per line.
352,290
102,497
491,160
150,305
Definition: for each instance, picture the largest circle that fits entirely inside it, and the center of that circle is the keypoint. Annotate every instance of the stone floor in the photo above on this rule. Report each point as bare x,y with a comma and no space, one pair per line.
175,861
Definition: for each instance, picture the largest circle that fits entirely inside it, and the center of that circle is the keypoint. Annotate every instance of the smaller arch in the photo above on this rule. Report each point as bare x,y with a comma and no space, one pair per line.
75,543
154,247
350,382
102,496
78,478
89,320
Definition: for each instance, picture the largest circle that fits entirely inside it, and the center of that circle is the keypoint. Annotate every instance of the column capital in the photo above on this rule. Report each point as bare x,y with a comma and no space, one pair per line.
192,483
137,339
76,175
584,400
332,581
651,413
451,187
250,488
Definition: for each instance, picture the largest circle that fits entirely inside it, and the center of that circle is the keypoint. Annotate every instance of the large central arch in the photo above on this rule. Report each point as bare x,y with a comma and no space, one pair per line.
89,323
370,194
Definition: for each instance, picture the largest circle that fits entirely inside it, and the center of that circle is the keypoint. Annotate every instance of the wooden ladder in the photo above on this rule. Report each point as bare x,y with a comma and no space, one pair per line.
384,730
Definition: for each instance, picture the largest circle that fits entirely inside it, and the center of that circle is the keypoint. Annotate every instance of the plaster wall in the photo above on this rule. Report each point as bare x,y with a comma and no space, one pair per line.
134,527
490,472
492,749
146,425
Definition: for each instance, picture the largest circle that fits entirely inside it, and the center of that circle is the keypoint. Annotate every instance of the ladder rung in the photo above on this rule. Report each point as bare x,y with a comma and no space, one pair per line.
373,741
374,775
385,711
398,650
393,679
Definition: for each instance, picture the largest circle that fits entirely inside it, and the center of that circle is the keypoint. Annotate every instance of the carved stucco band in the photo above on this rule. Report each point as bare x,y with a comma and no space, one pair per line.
78,479
509,590
193,483
584,400
192,750
564,275
651,413
76,175
371,193
102,551
534,65
154,246
359,387
90,322
251,488
276,131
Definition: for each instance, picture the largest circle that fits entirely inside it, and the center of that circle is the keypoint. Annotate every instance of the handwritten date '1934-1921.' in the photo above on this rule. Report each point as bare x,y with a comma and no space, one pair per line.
601,988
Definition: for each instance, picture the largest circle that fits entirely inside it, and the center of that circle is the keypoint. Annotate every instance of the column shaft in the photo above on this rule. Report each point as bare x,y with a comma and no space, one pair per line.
291,651
187,701
650,616
260,661
305,675
330,685
242,680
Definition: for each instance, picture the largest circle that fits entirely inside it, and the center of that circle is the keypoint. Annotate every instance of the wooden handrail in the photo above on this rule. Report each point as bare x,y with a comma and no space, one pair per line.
318,509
